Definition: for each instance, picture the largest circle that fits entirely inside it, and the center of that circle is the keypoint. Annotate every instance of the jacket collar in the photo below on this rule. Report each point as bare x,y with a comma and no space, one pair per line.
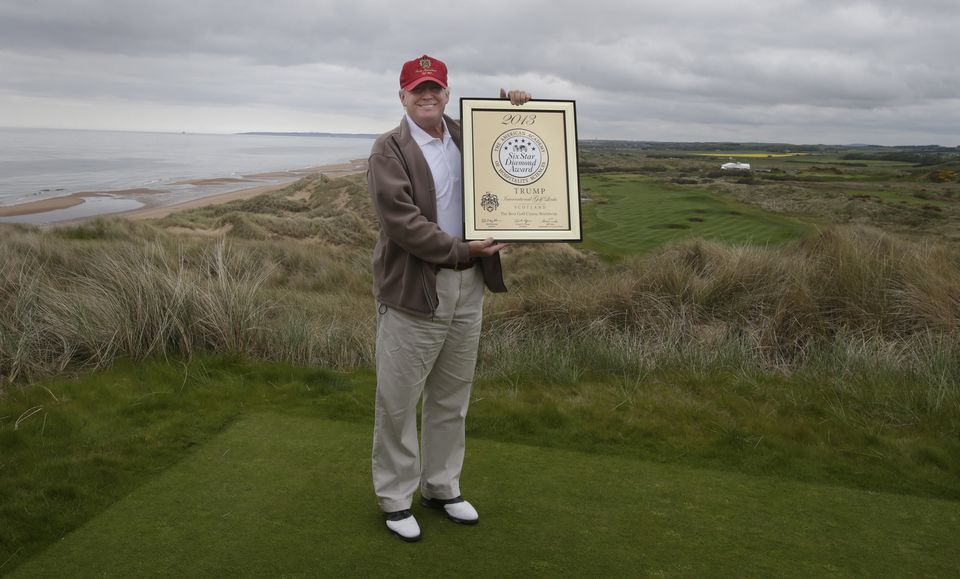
454,128
407,140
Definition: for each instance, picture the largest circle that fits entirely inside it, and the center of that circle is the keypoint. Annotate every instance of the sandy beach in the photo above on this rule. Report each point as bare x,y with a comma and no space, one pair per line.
246,187
338,170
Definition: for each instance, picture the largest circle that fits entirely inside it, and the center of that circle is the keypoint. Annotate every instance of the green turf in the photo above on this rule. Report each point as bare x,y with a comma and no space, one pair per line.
905,197
278,495
637,214
838,160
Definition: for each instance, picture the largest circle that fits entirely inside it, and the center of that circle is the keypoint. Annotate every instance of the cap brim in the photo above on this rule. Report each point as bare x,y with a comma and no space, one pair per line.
421,80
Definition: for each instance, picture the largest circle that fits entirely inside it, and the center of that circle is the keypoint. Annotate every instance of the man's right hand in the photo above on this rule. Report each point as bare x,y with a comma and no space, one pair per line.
517,97
485,248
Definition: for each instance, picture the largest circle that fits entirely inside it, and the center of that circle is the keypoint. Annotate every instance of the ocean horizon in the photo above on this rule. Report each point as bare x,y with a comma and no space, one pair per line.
152,168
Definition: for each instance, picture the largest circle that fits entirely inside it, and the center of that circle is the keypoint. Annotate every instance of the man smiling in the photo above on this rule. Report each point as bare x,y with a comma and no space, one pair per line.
428,283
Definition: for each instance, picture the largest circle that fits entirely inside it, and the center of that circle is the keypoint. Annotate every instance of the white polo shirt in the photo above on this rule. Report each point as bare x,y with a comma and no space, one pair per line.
443,158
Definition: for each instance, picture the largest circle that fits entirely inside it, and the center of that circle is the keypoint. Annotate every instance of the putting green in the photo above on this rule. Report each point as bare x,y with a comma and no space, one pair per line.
641,214
289,496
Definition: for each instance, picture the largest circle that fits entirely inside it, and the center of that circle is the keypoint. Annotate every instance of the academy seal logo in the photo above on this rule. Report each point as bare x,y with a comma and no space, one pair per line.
520,157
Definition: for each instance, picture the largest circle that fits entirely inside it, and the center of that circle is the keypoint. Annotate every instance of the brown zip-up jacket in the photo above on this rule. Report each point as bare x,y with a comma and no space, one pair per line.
411,244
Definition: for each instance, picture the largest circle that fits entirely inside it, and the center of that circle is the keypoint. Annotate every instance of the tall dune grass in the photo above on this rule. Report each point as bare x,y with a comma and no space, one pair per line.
842,306
84,307
848,309
841,282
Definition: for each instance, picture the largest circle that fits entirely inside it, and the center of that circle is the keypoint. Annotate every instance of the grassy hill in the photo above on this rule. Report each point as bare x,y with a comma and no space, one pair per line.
632,214
801,332
911,191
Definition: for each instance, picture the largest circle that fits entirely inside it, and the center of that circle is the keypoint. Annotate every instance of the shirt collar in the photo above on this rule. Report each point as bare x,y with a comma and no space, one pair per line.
421,136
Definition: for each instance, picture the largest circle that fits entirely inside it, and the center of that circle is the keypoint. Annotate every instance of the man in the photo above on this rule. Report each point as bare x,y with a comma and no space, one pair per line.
428,283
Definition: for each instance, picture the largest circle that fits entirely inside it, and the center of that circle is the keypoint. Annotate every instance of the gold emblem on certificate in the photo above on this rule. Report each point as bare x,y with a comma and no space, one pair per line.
520,176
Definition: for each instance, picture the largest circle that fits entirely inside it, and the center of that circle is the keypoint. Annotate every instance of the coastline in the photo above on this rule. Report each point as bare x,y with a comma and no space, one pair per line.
335,170
65,202
248,186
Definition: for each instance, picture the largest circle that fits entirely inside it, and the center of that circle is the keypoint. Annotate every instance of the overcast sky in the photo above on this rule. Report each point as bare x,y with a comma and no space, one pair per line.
799,71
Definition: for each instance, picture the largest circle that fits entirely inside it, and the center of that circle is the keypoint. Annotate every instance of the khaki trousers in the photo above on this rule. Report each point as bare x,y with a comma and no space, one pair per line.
435,358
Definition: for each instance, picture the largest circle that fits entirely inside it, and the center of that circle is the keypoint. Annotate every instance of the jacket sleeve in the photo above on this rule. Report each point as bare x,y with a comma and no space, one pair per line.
402,221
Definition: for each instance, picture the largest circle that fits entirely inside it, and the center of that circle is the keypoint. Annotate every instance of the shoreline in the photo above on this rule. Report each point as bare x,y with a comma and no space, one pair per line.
157,210
335,170
66,202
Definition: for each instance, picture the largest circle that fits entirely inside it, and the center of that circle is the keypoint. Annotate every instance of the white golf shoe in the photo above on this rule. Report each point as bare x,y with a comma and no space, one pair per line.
457,509
403,525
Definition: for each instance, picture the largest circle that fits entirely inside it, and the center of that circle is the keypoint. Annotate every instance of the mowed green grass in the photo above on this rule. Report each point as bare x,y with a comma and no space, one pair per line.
72,447
637,214
284,495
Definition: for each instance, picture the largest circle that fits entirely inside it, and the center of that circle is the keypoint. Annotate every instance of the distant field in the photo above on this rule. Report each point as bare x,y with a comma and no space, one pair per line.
904,198
750,155
635,215
838,160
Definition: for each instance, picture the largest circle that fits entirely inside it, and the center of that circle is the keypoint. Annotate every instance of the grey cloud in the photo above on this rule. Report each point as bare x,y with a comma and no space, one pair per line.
725,67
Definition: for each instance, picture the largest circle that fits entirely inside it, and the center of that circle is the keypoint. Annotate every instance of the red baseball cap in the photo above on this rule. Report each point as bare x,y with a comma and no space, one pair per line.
420,70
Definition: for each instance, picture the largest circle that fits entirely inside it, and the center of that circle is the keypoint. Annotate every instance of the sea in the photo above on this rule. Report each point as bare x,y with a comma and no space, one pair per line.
130,170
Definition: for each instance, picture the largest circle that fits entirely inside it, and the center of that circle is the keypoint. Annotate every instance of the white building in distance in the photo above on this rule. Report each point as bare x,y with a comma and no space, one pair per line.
735,166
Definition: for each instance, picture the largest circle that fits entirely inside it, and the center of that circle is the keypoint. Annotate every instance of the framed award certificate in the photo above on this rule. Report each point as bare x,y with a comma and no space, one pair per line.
520,178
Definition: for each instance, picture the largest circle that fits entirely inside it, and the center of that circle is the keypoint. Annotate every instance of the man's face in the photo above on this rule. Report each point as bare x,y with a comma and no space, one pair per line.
425,103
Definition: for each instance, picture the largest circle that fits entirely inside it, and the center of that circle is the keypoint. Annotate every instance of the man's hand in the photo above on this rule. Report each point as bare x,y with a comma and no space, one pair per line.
485,248
517,97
